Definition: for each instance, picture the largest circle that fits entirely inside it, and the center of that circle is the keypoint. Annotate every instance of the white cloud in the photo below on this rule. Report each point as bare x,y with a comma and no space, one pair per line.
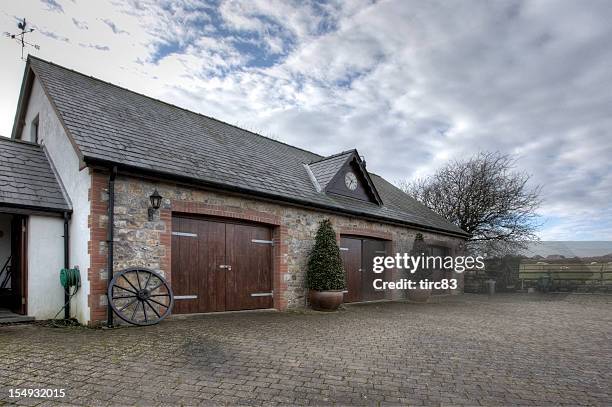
409,83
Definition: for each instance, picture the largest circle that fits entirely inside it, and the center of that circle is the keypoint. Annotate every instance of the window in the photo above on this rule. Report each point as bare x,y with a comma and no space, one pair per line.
34,131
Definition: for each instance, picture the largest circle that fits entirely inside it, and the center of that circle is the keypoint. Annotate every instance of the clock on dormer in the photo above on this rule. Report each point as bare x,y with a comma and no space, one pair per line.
350,180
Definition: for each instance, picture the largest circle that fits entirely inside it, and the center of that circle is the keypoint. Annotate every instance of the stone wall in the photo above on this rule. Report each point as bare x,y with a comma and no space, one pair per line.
140,242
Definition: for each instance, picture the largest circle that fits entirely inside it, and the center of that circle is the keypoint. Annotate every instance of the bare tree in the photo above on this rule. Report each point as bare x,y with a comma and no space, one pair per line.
484,196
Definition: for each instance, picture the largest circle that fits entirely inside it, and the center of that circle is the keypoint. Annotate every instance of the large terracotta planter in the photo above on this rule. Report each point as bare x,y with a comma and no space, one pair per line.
326,300
419,295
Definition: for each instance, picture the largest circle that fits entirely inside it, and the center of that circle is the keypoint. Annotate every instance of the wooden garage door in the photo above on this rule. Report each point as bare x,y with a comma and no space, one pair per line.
219,266
440,274
358,257
350,249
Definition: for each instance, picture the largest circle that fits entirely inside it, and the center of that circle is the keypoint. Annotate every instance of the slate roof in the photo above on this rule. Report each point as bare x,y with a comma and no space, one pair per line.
26,178
325,168
110,124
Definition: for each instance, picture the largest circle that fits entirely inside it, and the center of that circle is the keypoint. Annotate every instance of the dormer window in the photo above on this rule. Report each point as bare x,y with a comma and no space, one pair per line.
343,175
34,131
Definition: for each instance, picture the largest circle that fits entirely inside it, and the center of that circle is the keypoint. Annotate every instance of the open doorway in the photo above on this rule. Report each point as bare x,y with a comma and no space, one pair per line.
13,255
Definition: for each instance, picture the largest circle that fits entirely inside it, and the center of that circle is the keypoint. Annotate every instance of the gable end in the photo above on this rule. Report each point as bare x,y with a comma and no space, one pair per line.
365,189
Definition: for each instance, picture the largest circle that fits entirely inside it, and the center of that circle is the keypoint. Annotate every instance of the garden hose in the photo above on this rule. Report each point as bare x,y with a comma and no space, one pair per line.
69,278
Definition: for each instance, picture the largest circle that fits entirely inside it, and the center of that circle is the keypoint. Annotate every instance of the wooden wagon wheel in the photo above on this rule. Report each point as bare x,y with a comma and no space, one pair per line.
140,296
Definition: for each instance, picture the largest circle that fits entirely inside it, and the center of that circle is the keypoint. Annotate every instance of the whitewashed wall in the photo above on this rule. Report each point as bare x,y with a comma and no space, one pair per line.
45,260
75,180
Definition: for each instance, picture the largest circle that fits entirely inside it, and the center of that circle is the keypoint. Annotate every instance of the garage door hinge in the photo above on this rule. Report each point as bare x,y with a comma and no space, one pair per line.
184,234
271,242
262,294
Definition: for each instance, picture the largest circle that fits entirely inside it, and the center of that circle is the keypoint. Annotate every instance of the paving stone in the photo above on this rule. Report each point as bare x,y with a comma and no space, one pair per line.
459,350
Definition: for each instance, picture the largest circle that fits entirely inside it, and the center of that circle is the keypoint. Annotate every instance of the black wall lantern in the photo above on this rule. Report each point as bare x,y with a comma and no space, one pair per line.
156,199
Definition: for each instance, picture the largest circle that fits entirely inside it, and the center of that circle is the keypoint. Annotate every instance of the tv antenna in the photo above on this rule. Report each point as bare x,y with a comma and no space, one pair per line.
20,37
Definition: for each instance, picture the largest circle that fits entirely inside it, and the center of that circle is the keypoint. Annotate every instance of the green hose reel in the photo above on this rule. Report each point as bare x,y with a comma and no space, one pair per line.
70,278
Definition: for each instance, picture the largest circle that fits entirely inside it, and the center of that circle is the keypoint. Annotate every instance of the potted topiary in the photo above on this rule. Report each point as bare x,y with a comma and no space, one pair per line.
325,274
419,248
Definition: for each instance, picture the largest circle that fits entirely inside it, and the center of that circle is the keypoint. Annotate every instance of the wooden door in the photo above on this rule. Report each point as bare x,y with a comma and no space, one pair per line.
218,266
19,281
185,267
249,254
198,249
350,249
358,260
211,281
370,249
438,273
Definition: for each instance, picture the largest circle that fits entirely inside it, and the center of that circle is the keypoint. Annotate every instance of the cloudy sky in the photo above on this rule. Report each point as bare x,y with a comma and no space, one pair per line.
410,84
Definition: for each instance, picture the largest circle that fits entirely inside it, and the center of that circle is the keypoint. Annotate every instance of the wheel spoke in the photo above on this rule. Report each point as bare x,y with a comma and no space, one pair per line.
160,295
123,297
138,279
123,288
129,282
128,304
154,310
144,311
135,309
157,286
148,279
159,303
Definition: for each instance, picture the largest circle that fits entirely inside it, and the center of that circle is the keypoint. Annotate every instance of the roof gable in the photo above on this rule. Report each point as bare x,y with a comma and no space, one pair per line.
326,168
111,125
330,174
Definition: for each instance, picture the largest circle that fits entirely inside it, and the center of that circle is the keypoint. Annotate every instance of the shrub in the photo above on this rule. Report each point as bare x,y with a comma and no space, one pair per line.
325,270
420,248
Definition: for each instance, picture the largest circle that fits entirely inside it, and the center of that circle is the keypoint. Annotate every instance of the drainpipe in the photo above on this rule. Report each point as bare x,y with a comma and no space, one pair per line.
110,236
66,264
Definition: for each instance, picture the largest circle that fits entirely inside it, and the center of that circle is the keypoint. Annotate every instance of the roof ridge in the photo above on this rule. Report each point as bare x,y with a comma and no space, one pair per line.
172,105
354,150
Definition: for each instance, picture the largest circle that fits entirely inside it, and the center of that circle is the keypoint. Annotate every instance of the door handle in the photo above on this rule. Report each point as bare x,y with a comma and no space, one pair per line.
225,266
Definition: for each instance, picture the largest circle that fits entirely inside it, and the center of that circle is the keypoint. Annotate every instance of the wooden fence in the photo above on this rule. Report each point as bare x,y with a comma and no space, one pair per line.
512,274
568,276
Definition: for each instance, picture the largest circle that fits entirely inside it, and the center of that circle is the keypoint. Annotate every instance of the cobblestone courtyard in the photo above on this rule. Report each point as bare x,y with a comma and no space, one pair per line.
462,350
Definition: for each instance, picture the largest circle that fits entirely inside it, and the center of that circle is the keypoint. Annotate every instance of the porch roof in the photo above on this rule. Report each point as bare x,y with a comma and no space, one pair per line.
27,180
